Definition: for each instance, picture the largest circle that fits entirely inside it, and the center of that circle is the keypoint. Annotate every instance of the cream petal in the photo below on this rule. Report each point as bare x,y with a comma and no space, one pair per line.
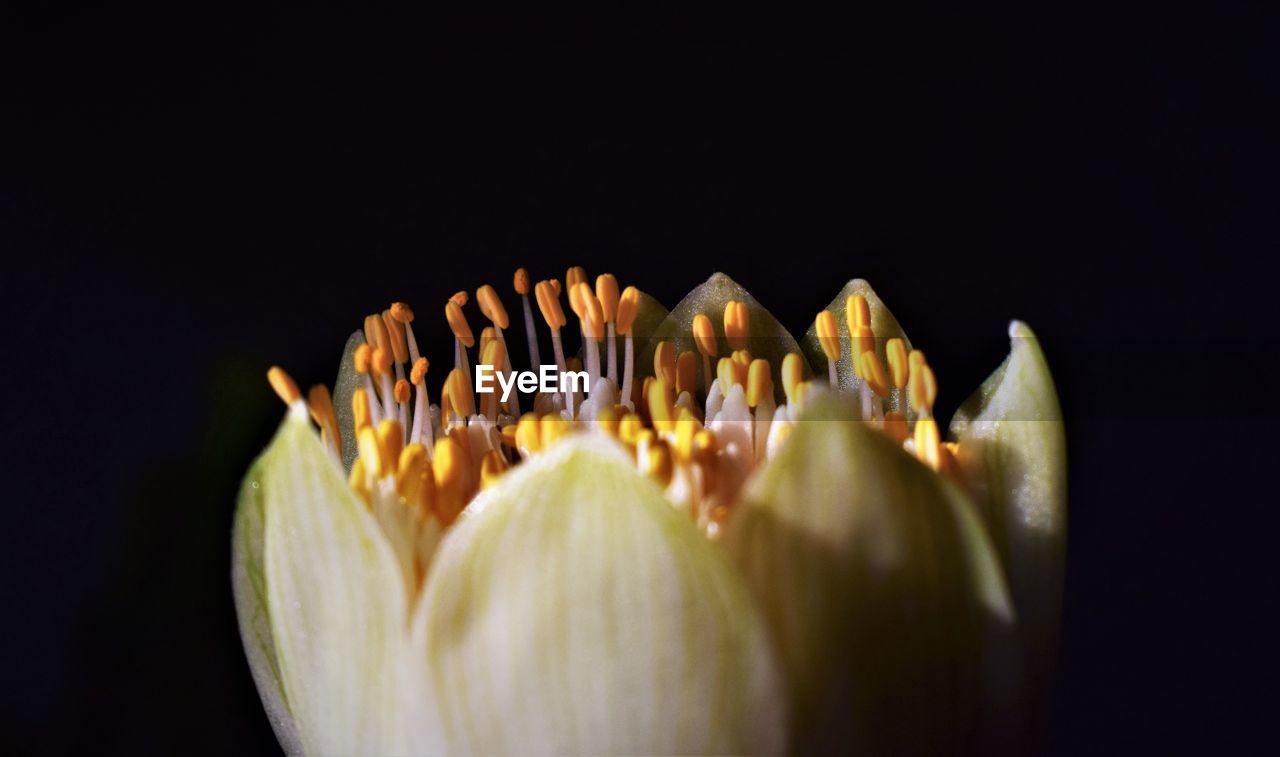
883,325
572,610
337,606
768,338
879,584
1013,454
249,586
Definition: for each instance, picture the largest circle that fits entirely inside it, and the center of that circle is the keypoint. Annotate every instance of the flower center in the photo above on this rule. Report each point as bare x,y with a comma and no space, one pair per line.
698,434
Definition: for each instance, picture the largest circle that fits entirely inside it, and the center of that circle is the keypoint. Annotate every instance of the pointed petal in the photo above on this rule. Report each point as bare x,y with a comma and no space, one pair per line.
573,610
1013,453
769,339
883,325
337,607
879,583
346,383
249,586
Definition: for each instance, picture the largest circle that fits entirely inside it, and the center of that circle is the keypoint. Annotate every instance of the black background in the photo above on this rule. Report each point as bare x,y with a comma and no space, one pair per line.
190,196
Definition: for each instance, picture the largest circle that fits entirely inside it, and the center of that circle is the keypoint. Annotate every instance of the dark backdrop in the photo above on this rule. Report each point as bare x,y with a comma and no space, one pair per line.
190,196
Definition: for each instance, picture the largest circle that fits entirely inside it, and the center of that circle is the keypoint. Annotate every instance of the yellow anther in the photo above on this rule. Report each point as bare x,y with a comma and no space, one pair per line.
686,428
446,407
452,475
360,409
459,393
494,354
402,391
862,340
491,307
873,373
607,293
555,286
661,406
549,303
628,306
704,335
359,480
395,337
575,276
390,441
321,404
551,428
629,428
508,436
458,324
802,394
828,337
401,312
363,354
915,359
792,375
528,438
759,382
283,385
657,463
895,427
411,467
521,281
607,419
487,334
922,388
726,374
492,466
664,362
381,362
419,371
591,313
857,312
687,373
896,351
459,298
375,331
370,451
736,324
927,442
742,357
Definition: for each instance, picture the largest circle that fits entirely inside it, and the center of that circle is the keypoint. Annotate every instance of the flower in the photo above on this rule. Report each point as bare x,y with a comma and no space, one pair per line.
715,552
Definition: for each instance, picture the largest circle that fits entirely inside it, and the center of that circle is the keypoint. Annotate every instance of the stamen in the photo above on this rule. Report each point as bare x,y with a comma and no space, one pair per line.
458,324
628,307
459,298
381,365
829,339
422,431
895,427
453,479
922,388
375,331
521,284
395,333
686,373
863,340
661,406
360,409
574,276
736,324
664,362
528,436
390,442
404,314
321,404
656,463
413,474
460,394
927,442
759,382
857,311
492,466
873,372
607,293
283,384
491,307
370,452
792,376
899,370
592,315
402,391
